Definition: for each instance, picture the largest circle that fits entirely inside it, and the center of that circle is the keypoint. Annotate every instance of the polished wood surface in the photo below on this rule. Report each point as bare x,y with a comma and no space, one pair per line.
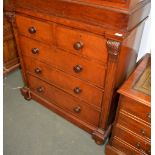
132,125
40,30
126,120
75,54
110,17
87,92
66,102
10,56
90,43
57,58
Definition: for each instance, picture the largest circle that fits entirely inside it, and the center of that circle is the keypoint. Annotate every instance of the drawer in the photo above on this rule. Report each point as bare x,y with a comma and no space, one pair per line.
117,1
72,85
142,111
82,43
132,139
129,122
35,29
124,147
70,63
63,100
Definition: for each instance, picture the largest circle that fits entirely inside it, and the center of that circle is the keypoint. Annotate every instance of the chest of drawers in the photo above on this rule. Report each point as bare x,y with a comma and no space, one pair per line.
75,54
131,133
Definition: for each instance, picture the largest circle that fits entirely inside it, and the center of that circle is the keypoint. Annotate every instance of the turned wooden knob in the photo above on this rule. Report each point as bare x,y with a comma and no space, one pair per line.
32,30
35,50
77,90
138,145
78,45
149,151
77,109
40,89
37,70
77,68
149,115
143,132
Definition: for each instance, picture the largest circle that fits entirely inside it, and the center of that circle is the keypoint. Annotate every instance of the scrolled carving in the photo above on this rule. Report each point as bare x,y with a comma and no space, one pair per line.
113,47
10,16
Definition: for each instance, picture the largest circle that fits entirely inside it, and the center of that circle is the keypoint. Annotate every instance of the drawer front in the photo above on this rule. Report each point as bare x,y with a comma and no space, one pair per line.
132,139
35,29
72,85
79,67
64,100
82,43
136,108
124,147
132,124
117,1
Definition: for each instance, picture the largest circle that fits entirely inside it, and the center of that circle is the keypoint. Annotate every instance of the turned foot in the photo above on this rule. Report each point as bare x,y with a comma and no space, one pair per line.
26,93
100,136
99,142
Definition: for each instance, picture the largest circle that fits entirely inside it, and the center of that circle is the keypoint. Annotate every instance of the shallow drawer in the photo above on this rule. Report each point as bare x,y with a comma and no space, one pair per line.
132,124
132,139
82,43
136,108
117,1
64,100
35,29
70,63
72,85
124,147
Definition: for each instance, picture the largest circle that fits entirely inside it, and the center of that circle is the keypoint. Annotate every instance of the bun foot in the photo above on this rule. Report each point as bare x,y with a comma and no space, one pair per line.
26,93
101,136
99,142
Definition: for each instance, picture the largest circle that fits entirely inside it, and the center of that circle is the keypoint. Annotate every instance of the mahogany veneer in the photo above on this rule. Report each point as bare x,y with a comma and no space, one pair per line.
10,55
131,132
75,54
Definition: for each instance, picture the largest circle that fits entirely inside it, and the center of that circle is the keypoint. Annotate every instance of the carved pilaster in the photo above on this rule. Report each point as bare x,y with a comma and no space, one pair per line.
113,47
10,16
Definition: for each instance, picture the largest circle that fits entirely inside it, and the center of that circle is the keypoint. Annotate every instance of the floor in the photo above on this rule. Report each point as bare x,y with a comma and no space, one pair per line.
31,129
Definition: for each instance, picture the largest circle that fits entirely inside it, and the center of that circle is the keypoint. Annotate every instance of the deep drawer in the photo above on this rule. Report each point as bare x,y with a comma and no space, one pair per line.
72,85
70,63
82,43
64,100
35,29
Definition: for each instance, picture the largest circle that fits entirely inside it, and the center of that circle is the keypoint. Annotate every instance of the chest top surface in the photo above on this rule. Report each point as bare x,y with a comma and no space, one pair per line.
138,85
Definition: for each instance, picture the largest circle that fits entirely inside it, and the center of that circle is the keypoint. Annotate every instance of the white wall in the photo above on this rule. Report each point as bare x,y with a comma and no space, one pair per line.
145,46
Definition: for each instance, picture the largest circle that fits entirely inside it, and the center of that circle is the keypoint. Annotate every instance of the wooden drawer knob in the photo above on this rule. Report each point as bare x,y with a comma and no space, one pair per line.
77,90
149,115
143,132
138,145
40,89
37,70
32,30
35,50
77,68
78,45
149,151
77,109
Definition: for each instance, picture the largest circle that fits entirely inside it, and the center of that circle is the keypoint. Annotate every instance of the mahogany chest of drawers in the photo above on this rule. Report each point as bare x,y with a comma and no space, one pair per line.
131,133
75,54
